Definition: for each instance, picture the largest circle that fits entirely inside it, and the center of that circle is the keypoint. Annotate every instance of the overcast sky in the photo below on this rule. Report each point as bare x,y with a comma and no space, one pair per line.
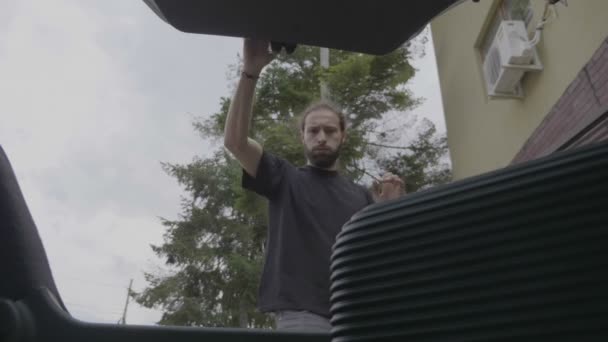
93,96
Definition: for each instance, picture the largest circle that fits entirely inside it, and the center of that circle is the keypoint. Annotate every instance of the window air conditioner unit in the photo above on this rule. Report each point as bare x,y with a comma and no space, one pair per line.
510,56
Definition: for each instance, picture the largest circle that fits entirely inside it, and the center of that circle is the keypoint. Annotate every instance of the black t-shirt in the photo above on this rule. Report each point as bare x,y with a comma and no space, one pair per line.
307,209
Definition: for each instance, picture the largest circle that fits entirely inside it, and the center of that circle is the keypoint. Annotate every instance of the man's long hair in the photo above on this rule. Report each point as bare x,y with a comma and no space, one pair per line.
323,104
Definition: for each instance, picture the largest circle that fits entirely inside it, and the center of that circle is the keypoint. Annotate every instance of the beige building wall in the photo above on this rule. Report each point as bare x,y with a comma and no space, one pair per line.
485,134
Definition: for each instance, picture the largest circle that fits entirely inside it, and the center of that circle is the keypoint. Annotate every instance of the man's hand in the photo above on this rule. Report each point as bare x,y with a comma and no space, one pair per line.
390,187
256,55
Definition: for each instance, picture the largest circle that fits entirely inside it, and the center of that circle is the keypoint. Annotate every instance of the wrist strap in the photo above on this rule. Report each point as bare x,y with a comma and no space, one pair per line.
249,76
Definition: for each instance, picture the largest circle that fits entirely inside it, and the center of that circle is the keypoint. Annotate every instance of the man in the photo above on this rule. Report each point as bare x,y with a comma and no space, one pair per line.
307,205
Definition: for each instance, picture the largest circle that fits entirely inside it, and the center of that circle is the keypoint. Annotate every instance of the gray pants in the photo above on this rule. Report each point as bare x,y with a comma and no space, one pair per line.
301,321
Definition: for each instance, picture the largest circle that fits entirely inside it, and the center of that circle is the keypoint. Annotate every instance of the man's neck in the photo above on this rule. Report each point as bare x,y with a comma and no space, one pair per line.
334,167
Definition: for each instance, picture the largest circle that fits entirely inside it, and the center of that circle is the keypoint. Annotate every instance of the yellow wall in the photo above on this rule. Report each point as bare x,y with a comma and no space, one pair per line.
486,134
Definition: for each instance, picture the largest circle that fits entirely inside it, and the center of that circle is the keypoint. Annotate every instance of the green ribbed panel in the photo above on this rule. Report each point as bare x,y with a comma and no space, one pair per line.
519,254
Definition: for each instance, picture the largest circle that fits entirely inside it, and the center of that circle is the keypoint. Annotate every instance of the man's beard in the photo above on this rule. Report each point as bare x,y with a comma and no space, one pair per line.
322,159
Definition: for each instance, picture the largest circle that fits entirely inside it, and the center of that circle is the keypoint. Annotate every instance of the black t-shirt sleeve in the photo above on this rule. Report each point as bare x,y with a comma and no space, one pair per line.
369,198
269,175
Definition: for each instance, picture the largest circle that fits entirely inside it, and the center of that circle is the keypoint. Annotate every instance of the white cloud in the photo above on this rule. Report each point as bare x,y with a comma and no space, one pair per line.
85,124
425,84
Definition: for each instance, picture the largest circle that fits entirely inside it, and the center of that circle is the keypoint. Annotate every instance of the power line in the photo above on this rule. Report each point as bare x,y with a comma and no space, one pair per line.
95,317
95,313
80,306
99,283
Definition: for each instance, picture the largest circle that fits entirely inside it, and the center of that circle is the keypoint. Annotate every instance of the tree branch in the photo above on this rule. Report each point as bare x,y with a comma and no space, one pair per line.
388,146
367,173
271,120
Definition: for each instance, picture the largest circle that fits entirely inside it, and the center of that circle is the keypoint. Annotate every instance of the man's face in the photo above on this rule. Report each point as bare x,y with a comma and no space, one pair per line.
322,138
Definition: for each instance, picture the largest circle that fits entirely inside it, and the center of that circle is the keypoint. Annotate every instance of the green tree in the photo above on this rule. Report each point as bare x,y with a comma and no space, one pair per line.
423,163
215,249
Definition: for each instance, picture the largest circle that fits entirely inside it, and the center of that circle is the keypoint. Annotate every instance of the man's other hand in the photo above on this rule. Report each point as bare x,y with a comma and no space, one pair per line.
390,187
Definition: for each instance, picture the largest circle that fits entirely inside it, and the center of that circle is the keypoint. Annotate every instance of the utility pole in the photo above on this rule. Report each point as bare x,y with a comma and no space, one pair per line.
123,320
324,64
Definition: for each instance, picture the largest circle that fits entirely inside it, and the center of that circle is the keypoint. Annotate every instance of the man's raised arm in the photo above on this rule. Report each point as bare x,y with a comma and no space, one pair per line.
236,130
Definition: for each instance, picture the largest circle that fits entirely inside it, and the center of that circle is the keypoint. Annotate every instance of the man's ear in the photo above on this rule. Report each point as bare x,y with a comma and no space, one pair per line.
344,136
301,136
